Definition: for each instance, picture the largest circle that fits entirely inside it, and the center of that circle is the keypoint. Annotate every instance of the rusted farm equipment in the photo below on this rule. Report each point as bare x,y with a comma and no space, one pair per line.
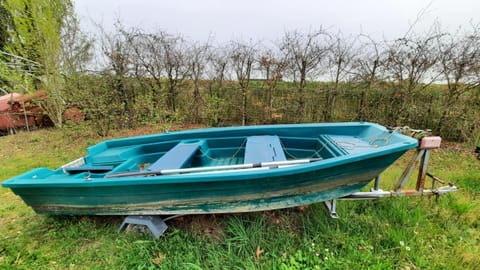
18,111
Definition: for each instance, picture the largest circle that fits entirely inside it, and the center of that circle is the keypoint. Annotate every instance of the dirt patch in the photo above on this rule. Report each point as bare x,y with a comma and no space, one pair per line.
203,226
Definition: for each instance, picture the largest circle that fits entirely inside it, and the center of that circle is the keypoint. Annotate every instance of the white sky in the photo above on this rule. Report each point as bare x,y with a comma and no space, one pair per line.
268,19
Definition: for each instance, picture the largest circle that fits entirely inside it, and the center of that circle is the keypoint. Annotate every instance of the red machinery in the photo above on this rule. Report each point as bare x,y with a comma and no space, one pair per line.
20,111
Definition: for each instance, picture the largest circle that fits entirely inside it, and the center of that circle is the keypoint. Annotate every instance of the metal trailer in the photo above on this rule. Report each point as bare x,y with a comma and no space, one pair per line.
157,226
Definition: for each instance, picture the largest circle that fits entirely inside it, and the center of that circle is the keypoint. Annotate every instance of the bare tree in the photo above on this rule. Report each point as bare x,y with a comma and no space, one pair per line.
409,68
218,61
163,58
76,48
242,57
118,54
198,60
217,69
273,66
149,67
304,53
339,64
459,65
77,51
176,66
365,70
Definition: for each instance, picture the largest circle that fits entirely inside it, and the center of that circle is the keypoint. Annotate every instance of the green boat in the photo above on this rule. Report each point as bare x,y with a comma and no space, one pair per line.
215,170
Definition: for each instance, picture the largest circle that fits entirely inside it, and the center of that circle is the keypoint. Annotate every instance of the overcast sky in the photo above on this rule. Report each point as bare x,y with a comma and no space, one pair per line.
269,19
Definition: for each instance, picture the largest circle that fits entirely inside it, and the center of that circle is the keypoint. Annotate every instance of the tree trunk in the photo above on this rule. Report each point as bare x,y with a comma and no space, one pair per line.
196,102
244,106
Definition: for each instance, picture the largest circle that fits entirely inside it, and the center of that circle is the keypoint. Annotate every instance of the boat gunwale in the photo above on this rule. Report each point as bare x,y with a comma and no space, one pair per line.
212,130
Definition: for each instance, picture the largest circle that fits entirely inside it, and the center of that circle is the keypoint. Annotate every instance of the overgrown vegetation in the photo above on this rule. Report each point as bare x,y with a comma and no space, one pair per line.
426,80
401,233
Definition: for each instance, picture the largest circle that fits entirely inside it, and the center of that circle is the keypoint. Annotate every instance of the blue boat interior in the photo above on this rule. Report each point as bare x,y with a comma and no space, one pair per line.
227,146
115,157
178,157
212,152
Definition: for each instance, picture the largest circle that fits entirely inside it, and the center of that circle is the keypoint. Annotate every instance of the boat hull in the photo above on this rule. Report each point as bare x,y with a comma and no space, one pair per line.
255,194
237,191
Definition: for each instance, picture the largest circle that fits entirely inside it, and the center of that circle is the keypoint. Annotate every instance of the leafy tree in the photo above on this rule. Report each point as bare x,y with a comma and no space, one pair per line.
36,37
6,25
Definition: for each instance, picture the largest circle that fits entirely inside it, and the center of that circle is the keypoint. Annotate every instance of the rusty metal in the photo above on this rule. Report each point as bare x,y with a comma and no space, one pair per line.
422,171
409,169
377,183
376,194
423,156
435,179
20,111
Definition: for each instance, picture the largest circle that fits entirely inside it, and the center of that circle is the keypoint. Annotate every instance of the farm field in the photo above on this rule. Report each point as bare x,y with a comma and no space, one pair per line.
400,233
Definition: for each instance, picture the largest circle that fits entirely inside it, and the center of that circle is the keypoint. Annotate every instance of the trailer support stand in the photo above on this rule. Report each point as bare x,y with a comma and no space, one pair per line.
422,156
331,206
155,224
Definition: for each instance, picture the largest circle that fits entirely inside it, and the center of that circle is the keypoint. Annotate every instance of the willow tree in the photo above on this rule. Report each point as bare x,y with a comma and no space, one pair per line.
7,60
36,37
6,24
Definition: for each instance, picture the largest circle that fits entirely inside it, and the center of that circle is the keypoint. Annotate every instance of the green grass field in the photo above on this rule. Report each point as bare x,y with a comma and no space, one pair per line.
400,233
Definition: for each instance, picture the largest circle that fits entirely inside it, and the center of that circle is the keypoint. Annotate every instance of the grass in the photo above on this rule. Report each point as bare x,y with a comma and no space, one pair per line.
401,233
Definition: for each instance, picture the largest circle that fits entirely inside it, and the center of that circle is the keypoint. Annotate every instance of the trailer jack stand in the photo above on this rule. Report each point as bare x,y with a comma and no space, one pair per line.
331,206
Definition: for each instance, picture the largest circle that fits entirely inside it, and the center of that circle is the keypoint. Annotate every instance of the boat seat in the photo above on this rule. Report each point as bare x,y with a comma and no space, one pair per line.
92,169
180,156
263,149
